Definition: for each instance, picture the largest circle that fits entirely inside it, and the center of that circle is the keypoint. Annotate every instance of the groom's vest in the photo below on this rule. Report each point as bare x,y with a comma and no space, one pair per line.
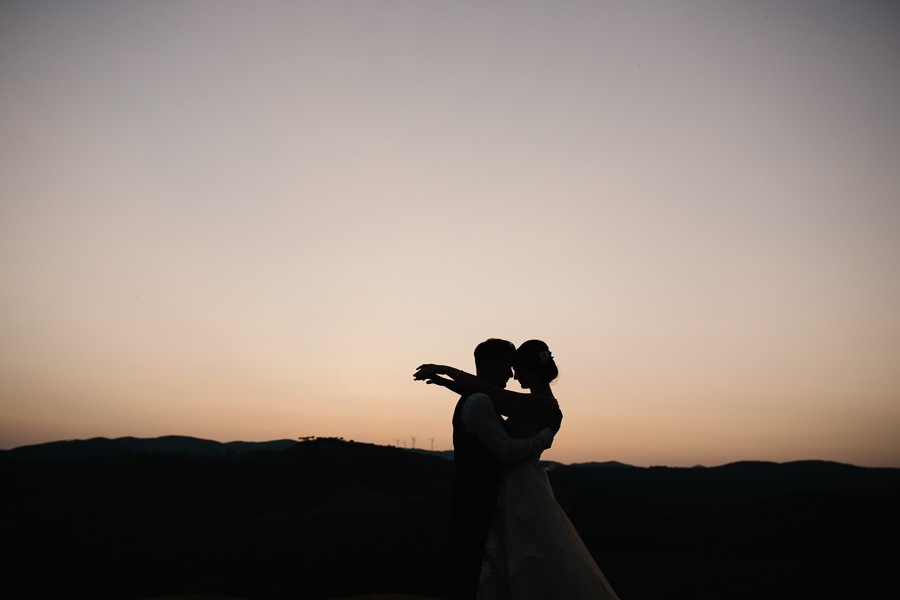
477,478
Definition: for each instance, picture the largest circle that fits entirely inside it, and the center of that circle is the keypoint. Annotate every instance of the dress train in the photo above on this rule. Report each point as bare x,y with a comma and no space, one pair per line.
533,551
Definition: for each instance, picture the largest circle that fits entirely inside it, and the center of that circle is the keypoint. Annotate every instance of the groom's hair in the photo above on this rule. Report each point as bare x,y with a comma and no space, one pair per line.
491,349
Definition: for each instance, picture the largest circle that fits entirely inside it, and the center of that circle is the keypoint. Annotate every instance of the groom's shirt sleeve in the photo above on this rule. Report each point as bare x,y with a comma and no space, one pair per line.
480,416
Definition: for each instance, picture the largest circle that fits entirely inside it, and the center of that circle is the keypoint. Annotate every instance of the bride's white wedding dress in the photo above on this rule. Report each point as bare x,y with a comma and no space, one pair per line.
533,551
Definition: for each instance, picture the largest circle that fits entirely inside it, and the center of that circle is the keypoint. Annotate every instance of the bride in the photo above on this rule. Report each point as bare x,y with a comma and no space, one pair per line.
533,551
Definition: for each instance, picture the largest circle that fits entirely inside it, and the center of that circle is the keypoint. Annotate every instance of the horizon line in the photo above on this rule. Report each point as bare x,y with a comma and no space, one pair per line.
302,439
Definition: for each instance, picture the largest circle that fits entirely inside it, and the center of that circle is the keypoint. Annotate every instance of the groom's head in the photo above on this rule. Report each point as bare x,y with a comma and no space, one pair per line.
493,361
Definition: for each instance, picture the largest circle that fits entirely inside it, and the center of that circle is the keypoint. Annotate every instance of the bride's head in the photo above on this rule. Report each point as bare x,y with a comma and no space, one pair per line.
534,365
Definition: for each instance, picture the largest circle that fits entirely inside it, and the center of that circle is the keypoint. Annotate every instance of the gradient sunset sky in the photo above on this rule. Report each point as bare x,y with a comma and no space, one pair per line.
253,220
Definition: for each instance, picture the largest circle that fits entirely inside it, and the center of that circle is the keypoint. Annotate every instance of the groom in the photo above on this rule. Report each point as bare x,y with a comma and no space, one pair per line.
480,448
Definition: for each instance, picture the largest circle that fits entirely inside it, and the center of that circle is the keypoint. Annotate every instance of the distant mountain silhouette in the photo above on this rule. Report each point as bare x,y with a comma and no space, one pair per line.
732,484
448,454
609,464
128,446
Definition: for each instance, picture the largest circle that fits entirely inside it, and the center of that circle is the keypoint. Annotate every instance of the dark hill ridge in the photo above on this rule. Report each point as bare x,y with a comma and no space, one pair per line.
326,518
127,446
731,484
609,464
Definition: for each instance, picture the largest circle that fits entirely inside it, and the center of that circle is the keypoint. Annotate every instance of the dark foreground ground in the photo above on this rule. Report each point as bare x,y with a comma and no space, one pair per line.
333,519
366,597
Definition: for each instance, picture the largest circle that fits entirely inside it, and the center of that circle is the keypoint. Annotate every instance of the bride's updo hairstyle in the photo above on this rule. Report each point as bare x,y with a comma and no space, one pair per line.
534,356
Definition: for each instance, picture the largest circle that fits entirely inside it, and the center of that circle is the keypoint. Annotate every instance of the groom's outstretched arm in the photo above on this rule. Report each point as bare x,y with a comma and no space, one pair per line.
481,417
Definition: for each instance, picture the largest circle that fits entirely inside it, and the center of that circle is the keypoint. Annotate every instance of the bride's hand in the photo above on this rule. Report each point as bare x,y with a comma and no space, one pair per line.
441,375
429,371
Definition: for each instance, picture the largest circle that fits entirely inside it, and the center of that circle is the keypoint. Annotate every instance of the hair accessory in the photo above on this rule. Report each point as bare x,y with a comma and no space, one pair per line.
545,355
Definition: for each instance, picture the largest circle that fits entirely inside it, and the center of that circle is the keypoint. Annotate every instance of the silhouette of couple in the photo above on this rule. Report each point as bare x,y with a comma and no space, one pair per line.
513,540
